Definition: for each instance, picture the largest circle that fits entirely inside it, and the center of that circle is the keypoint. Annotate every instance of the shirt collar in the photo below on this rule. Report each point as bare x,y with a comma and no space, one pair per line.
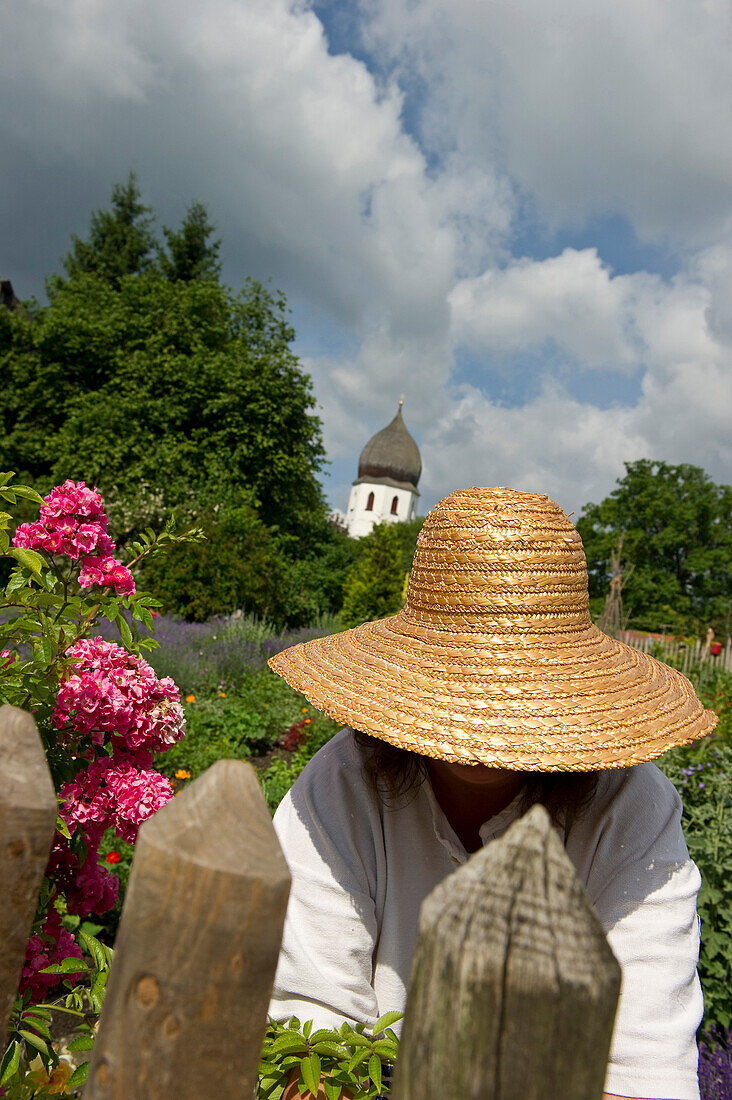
491,829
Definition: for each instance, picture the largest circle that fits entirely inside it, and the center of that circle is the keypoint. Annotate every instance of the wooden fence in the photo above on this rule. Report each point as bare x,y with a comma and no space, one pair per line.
687,655
513,987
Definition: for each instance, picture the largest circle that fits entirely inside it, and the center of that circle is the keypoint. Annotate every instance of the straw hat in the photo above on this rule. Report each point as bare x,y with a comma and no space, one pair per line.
494,658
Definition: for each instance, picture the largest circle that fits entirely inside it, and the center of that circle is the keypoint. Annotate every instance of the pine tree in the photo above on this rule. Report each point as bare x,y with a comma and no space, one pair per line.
120,241
190,252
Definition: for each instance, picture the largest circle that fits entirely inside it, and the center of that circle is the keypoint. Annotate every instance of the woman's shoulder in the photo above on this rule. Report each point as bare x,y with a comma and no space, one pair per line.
641,791
333,780
635,816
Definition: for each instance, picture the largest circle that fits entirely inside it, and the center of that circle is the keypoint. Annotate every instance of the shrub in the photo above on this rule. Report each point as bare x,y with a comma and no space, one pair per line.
702,774
101,712
347,1061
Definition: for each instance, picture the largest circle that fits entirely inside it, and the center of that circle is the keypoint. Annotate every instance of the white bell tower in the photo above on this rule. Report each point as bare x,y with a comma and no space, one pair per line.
386,487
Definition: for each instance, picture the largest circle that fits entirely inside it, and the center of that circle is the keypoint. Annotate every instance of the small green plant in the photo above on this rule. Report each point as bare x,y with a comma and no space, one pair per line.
279,776
347,1061
702,774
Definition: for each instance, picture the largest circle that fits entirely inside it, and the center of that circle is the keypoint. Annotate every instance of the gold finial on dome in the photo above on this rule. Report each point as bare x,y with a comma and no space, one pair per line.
401,400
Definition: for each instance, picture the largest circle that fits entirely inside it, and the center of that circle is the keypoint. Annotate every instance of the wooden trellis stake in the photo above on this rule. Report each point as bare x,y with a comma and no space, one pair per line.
27,825
185,1011
513,987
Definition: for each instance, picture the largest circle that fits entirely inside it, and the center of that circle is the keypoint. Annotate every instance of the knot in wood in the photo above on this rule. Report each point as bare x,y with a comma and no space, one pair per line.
171,1027
103,1074
16,847
148,992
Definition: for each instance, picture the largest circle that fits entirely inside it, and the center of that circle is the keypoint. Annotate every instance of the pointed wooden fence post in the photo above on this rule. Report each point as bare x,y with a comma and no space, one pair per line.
27,824
185,1011
513,988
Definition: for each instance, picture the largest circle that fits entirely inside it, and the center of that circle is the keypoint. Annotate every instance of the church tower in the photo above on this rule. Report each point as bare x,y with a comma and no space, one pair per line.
386,486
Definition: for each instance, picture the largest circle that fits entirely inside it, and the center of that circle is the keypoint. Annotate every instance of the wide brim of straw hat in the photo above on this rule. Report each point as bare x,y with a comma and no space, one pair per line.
494,659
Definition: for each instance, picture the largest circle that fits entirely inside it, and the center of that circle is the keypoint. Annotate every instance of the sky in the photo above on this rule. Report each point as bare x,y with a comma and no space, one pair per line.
517,214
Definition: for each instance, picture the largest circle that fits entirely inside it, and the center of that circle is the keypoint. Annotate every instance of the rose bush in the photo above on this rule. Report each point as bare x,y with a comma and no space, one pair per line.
102,714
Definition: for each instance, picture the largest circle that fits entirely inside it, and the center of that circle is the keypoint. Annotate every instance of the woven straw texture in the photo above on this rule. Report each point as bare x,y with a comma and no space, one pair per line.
494,658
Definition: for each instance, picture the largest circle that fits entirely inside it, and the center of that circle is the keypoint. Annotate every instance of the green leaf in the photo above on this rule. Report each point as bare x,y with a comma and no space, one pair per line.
332,1089
70,965
332,1050
84,1042
10,1063
29,559
37,1042
95,949
324,1035
289,1043
78,1077
386,1021
275,1092
375,1070
39,1026
358,1058
310,1069
28,493
62,827
124,632
16,582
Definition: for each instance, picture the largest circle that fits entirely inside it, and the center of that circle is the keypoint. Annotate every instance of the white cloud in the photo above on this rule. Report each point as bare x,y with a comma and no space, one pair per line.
555,445
590,108
304,160
569,301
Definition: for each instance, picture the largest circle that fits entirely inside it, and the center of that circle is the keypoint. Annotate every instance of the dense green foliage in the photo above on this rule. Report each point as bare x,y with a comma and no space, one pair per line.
214,405
146,377
703,776
288,580
376,585
189,252
348,1061
121,239
677,547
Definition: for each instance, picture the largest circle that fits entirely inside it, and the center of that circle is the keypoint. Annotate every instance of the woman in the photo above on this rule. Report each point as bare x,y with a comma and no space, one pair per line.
490,690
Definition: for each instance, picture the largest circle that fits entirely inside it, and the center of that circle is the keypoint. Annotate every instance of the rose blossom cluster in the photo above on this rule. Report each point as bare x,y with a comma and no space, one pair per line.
73,522
109,692
52,945
113,793
110,697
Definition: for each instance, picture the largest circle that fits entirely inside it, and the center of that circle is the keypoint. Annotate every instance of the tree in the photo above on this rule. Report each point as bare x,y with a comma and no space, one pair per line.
167,395
374,587
190,253
171,392
121,240
676,525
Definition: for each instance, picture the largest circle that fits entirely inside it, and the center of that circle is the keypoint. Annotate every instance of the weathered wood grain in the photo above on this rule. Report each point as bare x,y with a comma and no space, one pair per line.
513,987
27,824
195,956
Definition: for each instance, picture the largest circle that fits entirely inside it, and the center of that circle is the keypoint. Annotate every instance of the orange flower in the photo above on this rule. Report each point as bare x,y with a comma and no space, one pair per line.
304,710
222,694
307,722
190,698
182,773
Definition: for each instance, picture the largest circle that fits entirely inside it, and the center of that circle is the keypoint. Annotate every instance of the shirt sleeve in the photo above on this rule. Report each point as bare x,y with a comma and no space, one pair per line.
325,968
648,910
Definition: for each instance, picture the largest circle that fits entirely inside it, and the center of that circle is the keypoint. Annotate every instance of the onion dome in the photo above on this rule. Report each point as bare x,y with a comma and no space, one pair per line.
391,457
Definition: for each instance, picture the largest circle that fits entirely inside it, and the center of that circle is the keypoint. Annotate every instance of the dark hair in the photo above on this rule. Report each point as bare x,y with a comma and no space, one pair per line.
397,774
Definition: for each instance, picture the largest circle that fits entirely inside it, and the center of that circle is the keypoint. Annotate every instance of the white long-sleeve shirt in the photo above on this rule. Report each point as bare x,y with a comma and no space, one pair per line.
360,872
